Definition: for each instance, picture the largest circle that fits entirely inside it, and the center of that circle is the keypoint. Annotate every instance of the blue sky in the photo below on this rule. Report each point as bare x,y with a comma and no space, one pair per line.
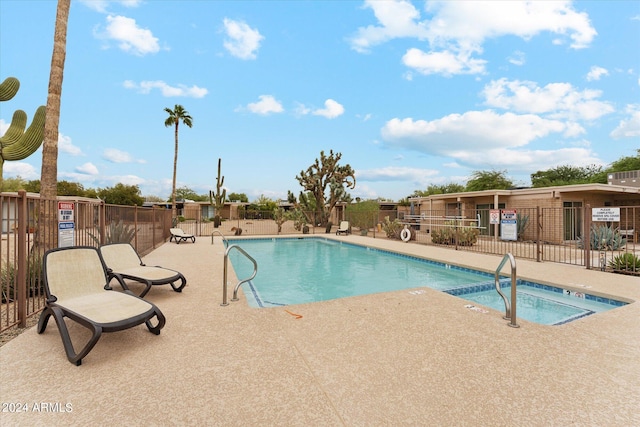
412,93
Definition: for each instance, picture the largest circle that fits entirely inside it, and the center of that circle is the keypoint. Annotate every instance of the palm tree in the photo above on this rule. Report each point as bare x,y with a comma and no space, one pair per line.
175,116
49,169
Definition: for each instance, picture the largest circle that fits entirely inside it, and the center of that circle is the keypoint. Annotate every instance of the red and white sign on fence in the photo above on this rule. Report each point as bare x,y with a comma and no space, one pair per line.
65,211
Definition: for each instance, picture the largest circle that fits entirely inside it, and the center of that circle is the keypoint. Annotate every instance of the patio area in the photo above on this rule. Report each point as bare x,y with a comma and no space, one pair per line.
396,358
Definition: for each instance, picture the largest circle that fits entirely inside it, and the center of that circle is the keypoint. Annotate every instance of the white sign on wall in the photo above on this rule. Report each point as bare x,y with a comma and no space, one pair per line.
605,214
508,225
494,216
66,224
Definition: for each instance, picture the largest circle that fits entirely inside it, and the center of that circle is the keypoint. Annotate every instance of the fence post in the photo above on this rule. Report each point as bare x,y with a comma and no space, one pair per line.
23,219
135,226
102,225
586,237
538,227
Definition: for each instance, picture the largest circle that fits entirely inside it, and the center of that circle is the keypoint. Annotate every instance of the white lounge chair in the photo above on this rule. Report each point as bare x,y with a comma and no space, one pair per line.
123,262
75,284
179,235
344,228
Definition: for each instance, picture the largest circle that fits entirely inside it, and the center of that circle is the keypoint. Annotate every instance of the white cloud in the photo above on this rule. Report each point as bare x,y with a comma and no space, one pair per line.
301,110
391,173
87,169
114,155
102,5
486,139
242,41
596,72
331,110
558,100
628,128
128,179
267,105
65,146
519,161
167,91
518,58
397,19
473,131
130,37
21,169
453,41
524,19
445,62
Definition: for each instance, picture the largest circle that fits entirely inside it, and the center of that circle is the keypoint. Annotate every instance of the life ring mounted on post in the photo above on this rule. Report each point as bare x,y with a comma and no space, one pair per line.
405,234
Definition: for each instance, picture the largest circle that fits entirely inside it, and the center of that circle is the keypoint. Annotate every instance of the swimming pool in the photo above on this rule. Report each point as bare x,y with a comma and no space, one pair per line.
304,270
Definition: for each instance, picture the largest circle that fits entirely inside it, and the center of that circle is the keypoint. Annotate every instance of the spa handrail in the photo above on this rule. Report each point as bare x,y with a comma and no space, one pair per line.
510,309
224,276
225,242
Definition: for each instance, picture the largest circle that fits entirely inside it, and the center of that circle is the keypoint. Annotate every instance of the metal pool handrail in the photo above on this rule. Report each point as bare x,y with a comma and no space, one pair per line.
224,276
224,239
510,309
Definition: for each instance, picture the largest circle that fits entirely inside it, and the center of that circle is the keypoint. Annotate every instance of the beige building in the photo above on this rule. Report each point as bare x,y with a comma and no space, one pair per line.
565,203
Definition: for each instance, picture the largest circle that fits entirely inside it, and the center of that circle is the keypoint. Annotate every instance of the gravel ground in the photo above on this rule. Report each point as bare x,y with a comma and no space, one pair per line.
9,334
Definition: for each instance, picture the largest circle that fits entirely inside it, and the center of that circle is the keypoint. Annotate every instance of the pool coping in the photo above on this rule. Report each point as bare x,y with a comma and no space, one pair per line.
584,291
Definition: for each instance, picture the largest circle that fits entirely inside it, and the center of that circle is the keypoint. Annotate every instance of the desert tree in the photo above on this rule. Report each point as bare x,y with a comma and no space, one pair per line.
326,180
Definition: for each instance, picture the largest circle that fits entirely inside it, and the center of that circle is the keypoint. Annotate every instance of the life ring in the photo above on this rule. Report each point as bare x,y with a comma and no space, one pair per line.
405,234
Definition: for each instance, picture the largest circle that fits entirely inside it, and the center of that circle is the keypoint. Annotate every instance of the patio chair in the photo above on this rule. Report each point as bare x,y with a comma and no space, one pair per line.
179,235
75,284
344,228
123,262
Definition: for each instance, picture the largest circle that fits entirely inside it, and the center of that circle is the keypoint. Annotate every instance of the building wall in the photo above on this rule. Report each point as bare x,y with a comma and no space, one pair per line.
553,211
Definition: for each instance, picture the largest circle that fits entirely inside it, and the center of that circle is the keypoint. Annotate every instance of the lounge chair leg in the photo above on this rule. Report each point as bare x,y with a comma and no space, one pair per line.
146,290
183,283
44,319
161,322
75,358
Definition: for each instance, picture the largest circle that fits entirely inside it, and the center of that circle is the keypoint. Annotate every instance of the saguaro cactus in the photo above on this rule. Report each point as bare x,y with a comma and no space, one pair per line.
217,199
16,143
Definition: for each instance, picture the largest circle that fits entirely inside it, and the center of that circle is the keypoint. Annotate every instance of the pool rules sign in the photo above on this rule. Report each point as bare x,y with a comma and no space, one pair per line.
66,224
508,225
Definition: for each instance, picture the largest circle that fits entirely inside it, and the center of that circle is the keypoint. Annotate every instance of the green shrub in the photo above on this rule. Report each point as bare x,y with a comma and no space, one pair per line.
363,215
116,232
9,279
8,282
625,262
523,224
392,228
604,238
446,235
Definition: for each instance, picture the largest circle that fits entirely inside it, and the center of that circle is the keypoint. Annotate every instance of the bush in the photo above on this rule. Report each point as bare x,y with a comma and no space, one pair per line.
117,232
9,279
446,235
392,228
8,282
604,238
625,262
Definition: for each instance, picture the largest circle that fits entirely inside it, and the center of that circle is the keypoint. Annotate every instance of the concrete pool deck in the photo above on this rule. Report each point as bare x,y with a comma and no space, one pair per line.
397,358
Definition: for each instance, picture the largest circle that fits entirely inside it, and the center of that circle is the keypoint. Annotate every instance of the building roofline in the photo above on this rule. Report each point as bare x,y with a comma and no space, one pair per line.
594,188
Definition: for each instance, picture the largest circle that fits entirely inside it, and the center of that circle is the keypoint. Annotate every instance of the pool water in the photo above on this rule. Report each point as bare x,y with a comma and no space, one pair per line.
304,270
